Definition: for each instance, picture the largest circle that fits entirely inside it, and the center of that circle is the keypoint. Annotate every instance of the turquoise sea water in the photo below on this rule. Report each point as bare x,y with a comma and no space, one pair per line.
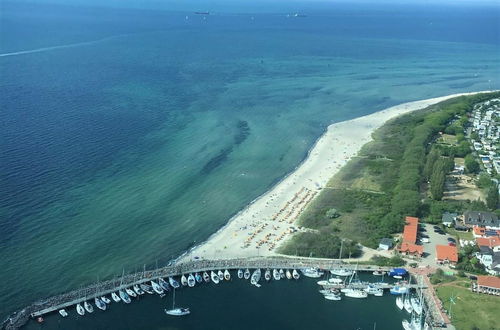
146,131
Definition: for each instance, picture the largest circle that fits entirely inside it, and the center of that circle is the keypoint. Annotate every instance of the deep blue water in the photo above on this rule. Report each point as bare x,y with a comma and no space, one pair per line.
121,147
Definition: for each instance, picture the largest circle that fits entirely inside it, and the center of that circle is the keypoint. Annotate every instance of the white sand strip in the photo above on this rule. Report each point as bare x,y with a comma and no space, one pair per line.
265,223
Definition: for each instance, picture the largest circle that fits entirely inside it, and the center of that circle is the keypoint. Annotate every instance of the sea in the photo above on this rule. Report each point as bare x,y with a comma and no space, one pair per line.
129,135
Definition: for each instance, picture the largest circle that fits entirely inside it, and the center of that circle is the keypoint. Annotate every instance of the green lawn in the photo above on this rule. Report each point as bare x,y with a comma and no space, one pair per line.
471,310
465,235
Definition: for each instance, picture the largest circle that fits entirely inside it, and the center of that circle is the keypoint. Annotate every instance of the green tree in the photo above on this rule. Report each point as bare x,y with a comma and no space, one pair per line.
492,198
332,214
484,181
432,157
471,164
438,178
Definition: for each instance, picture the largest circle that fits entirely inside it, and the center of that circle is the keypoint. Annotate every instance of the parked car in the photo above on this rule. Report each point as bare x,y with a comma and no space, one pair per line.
436,228
451,244
451,239
425,240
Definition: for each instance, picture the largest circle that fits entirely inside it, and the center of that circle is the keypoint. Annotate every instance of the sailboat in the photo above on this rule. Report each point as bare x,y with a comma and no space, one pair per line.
157,288
115,297
339,271
333,296
124,296
80,310
138,289
147,288
198,278
312,272
295,274
63,312
276,275
163,284
407,305
267,275
106,300
246,274
415,303
206,277
227,275
177,311
130,292
214,277
256,277
282,274
184,280
288,274
191,280
173,283
221,275
88,307
240,273
399,302
100,304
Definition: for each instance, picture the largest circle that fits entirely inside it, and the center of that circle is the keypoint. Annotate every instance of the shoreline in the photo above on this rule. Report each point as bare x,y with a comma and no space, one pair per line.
269,220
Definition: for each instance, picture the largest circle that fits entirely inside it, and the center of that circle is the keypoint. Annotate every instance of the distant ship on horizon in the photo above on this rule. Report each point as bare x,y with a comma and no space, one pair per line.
202,13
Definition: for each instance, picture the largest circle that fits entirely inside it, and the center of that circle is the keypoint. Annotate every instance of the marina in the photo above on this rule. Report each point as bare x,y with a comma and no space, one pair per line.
252,269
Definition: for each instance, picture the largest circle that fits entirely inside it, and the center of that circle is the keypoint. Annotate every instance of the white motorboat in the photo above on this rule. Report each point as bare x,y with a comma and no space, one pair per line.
407,305
370,289
246,274
198,278
80,310
63,312
355,293
88,307
288,274
255,277
341,272
227,275
398,277
146,288
106,300
115,297
179,311
295,274
124,297
130,292
100,304
267,275
184,280
406,325
138,290
397,290
173,282
323,282
276,274
312,272
417,307
215,277
400,303
156,287
191,280
240,273
163,284
379,292
221,275
333,296
378,273
206,277
282,273
335,280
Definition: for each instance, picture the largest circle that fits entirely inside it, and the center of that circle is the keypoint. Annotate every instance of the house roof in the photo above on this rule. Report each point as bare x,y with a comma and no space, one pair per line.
446,252
411,248
410,230
479,230
481,218
448,217
386,241
489,281
488,241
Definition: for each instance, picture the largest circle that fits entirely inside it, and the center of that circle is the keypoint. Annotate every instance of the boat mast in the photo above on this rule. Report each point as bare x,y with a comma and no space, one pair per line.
173,301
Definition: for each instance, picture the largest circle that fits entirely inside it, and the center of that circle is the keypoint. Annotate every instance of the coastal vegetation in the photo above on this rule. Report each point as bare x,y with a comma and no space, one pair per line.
401,172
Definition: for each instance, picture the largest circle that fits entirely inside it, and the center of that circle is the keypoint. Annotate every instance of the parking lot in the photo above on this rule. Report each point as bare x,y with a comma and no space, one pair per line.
430,247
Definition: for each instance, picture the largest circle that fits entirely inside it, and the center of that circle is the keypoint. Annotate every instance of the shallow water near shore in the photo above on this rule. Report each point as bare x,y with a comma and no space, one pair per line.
130,148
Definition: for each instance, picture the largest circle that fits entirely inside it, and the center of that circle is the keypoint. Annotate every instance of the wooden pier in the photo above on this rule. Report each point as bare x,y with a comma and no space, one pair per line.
72,298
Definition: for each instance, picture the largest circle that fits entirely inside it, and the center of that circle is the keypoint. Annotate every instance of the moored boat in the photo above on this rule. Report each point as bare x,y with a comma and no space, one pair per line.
227,275
124,297
63,312
115,297
198,278
206,277
295,274
130,292
240,273
341,272
407,305
88,307
80,310
282,274
355,293
416,305
106,300
221,275
256,277
100,304
146,288
138,290
179,311
184,280
400,303
163,284
406,325
333,296
246,274
191,280
312,273
173,282
378,272
156,287
215,277
267,275
397,290
276,274
288,274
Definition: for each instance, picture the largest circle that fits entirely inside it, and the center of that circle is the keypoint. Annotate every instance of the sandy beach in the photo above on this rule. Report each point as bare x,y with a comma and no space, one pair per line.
261,227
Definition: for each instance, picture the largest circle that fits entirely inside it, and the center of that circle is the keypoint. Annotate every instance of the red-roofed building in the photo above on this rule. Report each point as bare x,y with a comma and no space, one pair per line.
446,254
491,242
410,230
487,284
478,231
411,249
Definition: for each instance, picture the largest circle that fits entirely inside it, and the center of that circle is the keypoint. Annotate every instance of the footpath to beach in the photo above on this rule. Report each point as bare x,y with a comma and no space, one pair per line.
261,227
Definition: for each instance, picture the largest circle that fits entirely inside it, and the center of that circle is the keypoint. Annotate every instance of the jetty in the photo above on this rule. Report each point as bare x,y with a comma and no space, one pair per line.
65,300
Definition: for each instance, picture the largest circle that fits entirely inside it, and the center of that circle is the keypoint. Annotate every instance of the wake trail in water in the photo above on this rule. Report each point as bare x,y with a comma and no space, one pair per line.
46,49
